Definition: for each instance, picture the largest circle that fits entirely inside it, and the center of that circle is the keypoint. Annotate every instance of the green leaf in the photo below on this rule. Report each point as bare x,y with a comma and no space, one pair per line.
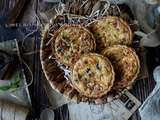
14,83
4,88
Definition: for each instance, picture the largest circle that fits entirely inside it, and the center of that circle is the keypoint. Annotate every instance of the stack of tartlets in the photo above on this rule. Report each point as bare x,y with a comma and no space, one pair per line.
99,56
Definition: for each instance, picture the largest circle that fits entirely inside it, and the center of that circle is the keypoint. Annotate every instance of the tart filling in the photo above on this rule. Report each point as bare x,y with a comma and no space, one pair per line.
93,75
126,65
111,30
70,42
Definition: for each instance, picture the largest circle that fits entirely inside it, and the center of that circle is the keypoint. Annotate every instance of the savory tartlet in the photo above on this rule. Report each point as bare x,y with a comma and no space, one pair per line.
70,42
109,31
125,63
93,75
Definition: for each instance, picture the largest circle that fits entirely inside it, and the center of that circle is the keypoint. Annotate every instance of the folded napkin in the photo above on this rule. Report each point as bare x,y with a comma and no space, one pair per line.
150,110
84,111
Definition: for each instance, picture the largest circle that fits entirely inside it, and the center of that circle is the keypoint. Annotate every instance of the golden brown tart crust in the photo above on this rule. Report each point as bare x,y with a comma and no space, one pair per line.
93,75
70,42
126,65
109,31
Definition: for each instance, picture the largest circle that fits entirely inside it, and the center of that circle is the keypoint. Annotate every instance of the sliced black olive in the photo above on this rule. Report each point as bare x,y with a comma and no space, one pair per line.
98,66
60,49
79,76
90,74
88,70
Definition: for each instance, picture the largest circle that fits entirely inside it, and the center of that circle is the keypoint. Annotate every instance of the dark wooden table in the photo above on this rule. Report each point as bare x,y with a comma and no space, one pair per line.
141,89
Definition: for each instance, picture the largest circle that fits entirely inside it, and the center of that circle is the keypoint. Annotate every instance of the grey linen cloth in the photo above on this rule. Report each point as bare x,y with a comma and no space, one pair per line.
150,110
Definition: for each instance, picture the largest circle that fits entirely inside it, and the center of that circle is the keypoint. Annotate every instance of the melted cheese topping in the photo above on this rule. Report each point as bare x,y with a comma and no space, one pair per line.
110,31
93,75
71,42
125,63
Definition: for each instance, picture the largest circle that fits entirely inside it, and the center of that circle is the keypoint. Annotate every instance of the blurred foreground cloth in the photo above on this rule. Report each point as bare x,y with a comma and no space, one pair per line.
150,110
152,39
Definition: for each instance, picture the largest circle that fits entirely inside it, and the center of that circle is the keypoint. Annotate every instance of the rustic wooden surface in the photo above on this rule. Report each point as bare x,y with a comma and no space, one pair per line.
141,89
